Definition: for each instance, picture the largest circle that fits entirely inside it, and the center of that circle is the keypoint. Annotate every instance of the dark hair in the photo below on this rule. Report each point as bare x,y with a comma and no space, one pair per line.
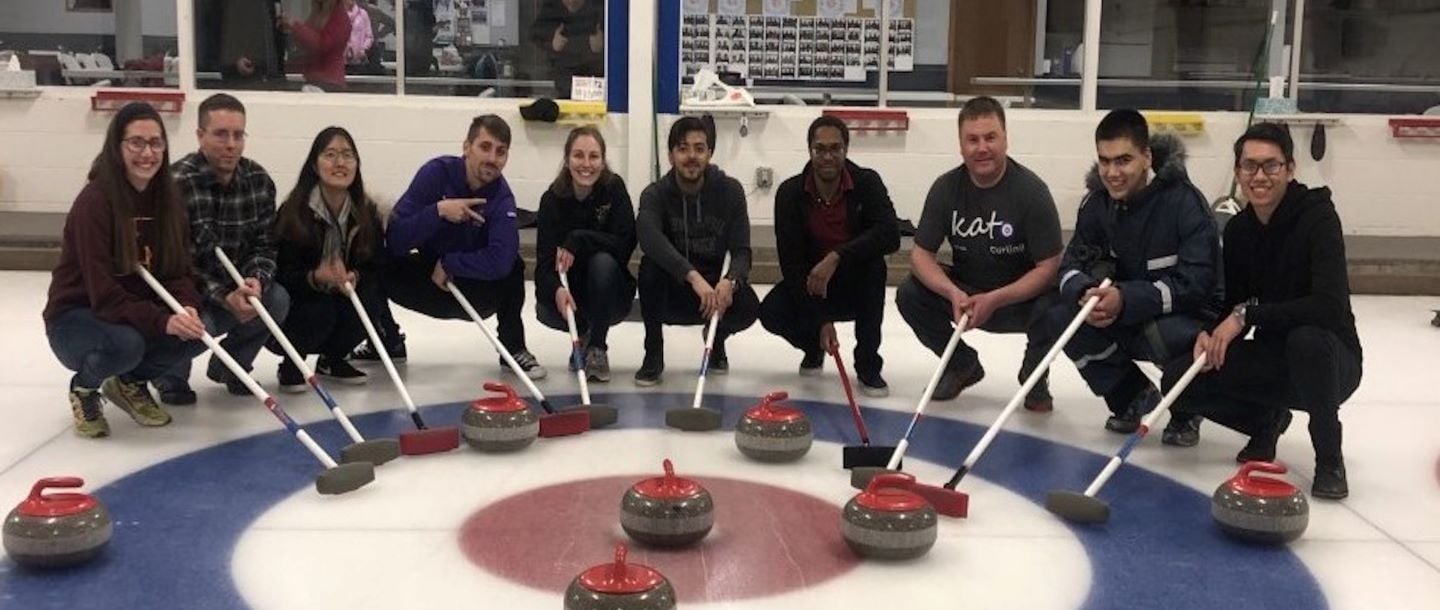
492,124
826,120
170,254
295,222
219,101
980,107
1124,123
687,125
564,184
1267,132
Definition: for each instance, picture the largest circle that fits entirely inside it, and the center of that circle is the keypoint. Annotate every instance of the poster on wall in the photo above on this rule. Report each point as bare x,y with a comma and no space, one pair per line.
792,48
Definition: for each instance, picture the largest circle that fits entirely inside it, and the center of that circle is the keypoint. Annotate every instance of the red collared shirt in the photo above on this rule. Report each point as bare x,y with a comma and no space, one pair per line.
827,219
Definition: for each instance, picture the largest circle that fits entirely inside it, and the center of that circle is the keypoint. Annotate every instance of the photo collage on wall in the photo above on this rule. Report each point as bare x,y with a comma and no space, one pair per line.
793,48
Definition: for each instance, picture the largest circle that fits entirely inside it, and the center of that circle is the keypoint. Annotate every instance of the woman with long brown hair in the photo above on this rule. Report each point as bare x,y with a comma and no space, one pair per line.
586,230
329,234
101,319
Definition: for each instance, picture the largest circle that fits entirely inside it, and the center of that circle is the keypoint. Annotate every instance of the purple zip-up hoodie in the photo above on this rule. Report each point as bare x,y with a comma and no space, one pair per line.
468,250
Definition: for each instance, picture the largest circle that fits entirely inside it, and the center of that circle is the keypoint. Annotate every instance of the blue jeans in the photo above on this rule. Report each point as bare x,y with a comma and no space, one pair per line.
242,341
97,350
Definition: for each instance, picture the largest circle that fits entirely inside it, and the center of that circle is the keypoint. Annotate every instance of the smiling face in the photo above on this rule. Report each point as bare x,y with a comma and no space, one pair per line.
337,164
1263,173
143,149
485,157
586,161
1124,167
983,146
690,157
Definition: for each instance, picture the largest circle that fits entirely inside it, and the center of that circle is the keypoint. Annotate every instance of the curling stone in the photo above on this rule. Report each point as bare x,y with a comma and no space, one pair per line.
769,432
620,586
888,522
1260,509
667,510
496,424
57,530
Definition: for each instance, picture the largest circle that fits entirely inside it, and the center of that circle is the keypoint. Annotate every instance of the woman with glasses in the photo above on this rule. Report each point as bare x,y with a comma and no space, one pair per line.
101,319
586,230
330,239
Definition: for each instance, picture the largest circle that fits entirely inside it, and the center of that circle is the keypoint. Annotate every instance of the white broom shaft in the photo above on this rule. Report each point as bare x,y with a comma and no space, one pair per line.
494,342
1145,425
709,341
379,346
945,356
575,343
1033,378
239,372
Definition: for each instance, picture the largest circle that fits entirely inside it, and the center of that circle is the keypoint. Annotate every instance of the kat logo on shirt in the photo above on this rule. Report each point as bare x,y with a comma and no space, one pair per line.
964,229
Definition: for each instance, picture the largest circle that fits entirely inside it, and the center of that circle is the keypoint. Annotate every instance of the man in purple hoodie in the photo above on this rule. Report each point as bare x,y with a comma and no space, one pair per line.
457,222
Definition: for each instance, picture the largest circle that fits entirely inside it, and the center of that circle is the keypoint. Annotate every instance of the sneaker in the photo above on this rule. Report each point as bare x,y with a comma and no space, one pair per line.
719,364
1182,431
956,378
1128,421
85,406
597,364
174,392
873,385
527,363
292,381
134,399
1330,482
812,363
366,354
1261,447
650,369
1039,399
217,373
337,369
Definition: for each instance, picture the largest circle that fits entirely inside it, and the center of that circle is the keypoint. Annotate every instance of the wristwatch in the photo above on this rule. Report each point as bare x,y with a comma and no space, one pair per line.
1242,307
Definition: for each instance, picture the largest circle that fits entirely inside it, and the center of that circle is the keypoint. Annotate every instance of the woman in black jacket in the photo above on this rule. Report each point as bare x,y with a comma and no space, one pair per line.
586,227
329,234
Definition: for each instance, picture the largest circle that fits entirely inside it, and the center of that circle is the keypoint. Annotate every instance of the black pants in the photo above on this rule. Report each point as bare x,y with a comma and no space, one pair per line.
1105,357
929,315
407,284
665,300
1311,370
856,292
326,323
603,290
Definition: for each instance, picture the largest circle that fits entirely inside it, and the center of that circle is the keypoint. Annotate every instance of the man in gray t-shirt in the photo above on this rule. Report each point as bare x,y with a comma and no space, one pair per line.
1004,236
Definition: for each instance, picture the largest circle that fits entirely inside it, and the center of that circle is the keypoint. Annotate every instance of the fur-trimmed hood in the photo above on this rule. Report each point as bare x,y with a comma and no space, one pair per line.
1167,155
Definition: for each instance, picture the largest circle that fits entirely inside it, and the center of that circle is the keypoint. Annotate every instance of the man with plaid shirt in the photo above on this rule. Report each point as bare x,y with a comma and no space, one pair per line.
231,202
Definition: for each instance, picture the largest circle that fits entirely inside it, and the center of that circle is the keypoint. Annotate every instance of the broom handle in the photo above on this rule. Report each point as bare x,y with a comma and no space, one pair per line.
709,341
904,444
850,395
495,343
380,348
575,343
1169,399
290,351
1029,384
219,352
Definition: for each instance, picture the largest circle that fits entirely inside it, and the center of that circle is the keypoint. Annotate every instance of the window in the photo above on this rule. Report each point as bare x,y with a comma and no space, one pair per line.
1377,56
1021,52
94,43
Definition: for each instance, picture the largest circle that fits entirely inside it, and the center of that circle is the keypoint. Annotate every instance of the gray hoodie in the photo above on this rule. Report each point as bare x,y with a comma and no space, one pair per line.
680,232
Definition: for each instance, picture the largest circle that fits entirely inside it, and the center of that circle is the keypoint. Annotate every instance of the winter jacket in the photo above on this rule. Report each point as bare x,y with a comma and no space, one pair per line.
1294,267
603,222
681,233
869,213
1162,244
470,250
298,257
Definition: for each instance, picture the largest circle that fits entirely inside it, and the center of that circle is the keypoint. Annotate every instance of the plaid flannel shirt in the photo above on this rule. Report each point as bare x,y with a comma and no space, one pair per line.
237,217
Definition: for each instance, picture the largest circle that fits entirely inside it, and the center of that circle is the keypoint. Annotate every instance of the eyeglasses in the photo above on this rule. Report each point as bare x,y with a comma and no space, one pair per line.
137,144
337,156
1271,167
834,151
227,135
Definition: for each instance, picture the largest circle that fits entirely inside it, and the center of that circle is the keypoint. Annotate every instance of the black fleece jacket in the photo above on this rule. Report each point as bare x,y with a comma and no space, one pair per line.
603,222
868,211
680,232
1294,266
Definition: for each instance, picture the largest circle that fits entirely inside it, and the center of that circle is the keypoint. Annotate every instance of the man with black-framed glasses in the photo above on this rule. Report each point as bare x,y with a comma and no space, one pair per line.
834,224
1285,277
231,203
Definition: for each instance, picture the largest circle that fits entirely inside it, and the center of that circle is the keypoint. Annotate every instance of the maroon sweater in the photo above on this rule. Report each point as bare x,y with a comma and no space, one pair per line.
86,275
325,48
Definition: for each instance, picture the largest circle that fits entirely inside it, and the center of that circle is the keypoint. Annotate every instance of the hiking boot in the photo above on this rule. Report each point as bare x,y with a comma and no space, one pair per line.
85,406
292,381
1128,420
597,364
812,363
133,397
650,369
956,378
872,385
218,373
527,363
1182,431
367,354
1330,482
337,369
174,391
1261,447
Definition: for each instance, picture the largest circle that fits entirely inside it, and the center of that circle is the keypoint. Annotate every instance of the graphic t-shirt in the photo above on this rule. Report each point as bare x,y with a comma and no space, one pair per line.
996,234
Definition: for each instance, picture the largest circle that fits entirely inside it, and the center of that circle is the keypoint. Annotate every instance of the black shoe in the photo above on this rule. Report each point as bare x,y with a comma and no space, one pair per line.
1261,447
956,378
292,381
812,363
873,385
719,364
1128,421
1182,431
1330,482
219,374
337,369
650,369
1039,399
174,392
365,353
